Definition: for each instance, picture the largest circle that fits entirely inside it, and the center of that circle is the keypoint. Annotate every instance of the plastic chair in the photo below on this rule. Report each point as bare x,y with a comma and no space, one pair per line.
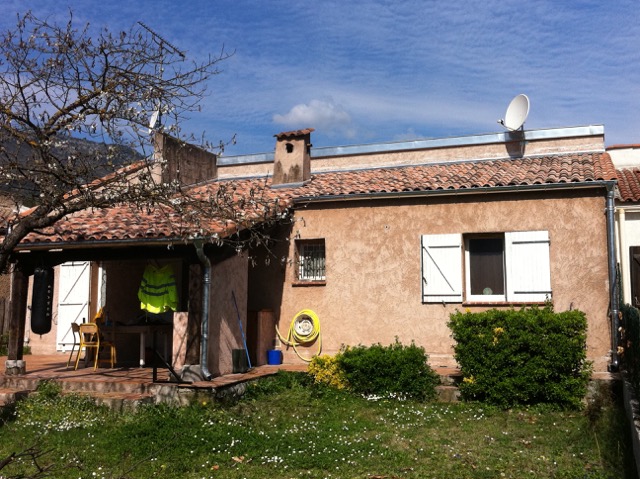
90,339
75,331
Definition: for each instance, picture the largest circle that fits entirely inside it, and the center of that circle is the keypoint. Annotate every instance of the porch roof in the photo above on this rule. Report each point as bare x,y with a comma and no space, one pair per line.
253,200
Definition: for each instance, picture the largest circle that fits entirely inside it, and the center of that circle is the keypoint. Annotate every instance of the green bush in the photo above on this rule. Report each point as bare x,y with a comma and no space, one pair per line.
631,343
522,357
326,370
383,370
4,346
279,382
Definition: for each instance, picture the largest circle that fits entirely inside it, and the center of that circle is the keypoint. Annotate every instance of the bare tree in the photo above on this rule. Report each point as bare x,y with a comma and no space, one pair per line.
62,86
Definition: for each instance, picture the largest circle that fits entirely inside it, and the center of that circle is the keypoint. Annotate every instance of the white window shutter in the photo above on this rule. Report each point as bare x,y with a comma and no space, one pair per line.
442,268
528,266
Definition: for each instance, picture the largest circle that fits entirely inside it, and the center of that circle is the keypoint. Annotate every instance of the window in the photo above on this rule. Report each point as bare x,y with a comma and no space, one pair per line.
511,267
311,260
484,260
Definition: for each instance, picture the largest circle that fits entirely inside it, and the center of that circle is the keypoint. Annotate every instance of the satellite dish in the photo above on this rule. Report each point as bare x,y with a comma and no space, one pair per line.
517,113
153,120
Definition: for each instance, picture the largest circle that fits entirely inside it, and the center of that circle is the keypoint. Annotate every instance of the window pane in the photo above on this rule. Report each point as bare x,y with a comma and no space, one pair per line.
486,264
311,261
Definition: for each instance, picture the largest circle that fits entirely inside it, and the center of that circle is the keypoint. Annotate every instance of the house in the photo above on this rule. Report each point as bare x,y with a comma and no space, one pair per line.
626,159
373,242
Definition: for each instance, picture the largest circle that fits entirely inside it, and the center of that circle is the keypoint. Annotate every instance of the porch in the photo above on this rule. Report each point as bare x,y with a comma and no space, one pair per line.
125,387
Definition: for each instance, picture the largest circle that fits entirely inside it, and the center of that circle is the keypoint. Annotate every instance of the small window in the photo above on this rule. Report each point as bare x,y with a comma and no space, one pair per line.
311,260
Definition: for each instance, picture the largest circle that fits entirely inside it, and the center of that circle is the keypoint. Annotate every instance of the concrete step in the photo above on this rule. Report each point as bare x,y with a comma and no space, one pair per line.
19,382
122,386
448,393
11,395
121,402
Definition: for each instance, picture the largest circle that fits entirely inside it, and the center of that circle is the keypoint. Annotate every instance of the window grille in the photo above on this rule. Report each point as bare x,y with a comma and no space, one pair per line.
311,261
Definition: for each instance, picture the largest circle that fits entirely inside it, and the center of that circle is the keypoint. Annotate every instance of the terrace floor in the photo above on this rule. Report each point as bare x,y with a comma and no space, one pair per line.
132,384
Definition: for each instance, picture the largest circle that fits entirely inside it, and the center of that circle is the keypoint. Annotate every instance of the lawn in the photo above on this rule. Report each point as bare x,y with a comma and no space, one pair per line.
285,428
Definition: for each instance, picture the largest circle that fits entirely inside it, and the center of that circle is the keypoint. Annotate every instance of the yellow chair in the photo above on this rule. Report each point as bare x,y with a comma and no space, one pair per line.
90,339
75,331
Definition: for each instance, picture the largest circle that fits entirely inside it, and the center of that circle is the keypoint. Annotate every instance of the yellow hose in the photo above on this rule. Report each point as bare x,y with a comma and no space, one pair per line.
304,329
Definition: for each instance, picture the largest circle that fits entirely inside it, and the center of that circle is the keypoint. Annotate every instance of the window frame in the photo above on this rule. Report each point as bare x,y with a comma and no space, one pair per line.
490,298
302,275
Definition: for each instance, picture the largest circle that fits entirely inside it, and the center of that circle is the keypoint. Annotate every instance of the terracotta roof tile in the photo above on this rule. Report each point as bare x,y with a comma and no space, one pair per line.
291,134
629,185
127,222
461,175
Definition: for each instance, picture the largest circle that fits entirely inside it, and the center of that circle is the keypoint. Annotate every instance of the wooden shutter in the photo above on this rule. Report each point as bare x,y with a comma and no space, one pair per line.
528,266
442,268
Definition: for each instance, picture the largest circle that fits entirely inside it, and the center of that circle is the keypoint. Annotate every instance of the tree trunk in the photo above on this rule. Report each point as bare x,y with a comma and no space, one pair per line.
17,320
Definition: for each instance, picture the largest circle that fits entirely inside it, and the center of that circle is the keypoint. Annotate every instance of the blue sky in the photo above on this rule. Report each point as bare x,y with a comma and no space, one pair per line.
364,71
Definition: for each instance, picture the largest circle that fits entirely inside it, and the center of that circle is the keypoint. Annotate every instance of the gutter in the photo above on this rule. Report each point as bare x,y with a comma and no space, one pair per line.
86,244
614,307
206,284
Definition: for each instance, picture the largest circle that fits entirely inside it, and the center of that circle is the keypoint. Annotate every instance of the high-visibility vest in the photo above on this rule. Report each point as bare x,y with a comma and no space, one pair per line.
158,291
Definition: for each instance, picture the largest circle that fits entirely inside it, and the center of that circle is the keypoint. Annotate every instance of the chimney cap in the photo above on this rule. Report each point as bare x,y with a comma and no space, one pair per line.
293,134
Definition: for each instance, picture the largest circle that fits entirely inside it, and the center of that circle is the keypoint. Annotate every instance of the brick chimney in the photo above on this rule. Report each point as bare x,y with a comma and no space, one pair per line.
292,164
182,161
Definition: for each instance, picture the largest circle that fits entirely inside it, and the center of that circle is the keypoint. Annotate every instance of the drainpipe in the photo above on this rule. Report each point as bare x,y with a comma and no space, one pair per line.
613,280
206,283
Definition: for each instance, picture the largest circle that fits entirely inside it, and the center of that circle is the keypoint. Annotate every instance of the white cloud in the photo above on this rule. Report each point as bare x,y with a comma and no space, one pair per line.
323,115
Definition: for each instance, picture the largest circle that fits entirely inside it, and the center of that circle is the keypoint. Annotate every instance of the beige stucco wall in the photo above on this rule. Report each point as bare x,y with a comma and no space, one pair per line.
227,277
627,236
373,286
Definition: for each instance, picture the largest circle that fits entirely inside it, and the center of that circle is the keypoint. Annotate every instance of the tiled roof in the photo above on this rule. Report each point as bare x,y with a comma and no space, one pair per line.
629,185
126,222
556,169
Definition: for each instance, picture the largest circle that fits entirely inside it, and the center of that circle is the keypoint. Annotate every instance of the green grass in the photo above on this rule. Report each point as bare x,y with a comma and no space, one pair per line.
287,429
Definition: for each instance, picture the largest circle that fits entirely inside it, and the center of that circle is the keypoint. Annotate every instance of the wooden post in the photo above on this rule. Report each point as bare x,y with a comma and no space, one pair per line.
17,319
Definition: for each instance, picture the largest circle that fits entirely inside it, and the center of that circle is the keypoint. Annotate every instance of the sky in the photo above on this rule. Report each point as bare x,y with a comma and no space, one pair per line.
365,71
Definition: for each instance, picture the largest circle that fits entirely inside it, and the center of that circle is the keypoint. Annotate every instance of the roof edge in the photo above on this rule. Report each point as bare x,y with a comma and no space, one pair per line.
457,192
423,144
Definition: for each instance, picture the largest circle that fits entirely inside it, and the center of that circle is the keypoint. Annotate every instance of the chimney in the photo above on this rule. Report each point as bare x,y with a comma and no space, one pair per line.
292,165
182,161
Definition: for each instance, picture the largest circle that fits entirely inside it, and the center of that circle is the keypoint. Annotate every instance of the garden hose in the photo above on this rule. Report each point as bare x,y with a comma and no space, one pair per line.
304,329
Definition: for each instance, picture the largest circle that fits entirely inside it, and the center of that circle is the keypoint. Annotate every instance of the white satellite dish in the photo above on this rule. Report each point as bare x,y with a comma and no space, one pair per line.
153,120
517,113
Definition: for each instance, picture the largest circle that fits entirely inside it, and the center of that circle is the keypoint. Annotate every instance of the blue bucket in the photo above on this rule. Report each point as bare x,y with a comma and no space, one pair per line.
274,356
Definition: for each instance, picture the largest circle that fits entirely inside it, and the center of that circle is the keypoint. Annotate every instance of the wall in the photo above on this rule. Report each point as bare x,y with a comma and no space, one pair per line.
43,343
631,231
122,305
227,277
373,286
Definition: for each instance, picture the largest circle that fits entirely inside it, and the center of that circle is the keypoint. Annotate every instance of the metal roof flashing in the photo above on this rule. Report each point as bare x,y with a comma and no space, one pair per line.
428,144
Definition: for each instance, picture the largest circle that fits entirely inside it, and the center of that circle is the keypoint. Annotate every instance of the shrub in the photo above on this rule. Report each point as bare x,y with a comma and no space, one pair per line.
4,346
279,382
393,369
326,370
631,343
530,356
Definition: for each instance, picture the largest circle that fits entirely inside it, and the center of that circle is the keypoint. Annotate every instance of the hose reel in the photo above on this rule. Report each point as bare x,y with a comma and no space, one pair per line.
304,329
